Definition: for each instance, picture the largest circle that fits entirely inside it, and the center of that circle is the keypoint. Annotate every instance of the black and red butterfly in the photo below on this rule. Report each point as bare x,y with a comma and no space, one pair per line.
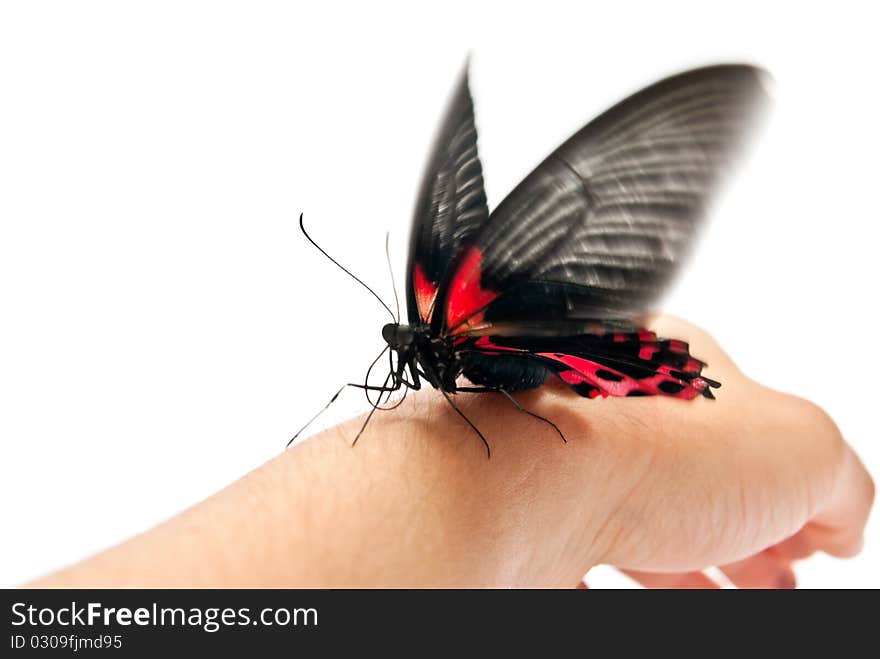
552,281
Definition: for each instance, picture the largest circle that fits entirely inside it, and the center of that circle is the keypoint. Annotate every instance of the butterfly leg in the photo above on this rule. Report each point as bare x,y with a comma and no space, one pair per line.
509,396
418,372
513,400
393,387
382,389
399,381
375,407
469,422
416,383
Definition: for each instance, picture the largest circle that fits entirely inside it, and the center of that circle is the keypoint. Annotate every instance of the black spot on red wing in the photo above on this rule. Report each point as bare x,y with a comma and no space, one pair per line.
681,375
673,359
674,345
635,392
633,370
585,390
608,375
670,387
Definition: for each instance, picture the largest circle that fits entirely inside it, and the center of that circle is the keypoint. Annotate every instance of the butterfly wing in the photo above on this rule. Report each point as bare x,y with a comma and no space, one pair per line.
604,362
451,204
600,227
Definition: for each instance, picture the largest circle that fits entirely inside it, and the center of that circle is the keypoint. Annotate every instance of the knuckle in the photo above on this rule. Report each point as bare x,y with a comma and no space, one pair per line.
822,435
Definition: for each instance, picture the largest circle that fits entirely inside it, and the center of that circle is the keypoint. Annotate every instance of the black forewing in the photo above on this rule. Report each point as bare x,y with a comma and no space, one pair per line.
600,227
451,204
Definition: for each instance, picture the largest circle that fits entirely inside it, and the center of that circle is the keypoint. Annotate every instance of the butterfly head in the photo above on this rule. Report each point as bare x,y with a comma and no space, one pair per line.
397,336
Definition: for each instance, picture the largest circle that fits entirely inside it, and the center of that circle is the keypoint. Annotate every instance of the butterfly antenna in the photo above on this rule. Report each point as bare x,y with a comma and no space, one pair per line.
391,271
343,268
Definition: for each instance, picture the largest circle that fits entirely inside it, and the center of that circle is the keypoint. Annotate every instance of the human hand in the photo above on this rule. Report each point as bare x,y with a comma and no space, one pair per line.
659,487
663,488
750,482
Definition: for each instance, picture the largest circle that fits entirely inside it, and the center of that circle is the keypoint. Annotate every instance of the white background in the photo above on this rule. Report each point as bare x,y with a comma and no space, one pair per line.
163,325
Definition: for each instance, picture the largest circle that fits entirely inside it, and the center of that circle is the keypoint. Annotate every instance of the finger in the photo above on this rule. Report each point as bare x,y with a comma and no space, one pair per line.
671,579
842,519
797,547
768,569
839,527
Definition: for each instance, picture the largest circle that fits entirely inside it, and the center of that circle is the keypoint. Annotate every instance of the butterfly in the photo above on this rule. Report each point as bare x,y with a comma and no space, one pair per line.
553,281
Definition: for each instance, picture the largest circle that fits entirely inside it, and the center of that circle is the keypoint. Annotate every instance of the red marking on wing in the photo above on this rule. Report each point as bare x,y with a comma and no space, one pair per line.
585,370
426,293
467,297
485,343
581,370
573,377
675,345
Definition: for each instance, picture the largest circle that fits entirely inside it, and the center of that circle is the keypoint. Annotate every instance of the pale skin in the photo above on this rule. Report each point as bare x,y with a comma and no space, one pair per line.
658,487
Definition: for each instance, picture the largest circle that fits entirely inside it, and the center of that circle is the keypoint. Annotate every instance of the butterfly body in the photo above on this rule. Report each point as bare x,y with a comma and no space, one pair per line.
509,372
440,362
425,355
